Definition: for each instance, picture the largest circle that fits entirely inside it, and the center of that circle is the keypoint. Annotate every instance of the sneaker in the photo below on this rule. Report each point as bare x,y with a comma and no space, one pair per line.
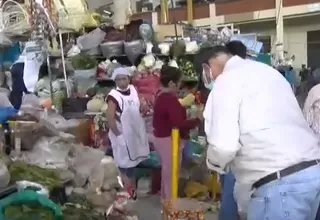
133,193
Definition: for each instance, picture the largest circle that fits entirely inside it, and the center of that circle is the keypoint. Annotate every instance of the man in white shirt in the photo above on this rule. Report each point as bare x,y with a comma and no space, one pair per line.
254,125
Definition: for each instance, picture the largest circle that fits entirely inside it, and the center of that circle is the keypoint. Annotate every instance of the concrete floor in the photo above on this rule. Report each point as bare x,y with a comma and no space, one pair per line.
148,208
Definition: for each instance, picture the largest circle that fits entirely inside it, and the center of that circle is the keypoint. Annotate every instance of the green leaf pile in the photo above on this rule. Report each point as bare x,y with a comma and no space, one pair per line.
83,62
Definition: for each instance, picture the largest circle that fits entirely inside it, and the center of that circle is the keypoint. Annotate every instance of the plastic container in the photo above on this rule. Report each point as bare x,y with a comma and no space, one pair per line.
85,74
110,49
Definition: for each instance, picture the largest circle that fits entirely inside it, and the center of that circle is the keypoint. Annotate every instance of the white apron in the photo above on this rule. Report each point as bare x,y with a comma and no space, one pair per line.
132,127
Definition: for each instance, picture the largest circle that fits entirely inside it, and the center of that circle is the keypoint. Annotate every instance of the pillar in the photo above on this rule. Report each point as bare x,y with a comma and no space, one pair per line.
279,30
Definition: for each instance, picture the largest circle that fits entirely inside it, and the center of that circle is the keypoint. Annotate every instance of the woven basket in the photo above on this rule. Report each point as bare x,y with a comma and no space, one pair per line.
110,49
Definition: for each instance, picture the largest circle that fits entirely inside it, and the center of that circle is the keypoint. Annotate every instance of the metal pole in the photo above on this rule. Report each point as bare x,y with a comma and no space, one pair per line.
50,76
175,137
175,24
64,65
279,30
164,11
190,11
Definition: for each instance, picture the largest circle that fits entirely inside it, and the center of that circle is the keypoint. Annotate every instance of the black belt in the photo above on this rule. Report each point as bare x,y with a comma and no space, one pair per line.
285,172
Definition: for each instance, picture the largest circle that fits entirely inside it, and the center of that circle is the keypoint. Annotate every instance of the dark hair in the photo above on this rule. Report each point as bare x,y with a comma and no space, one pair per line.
237,48
43,71
169,73
212,52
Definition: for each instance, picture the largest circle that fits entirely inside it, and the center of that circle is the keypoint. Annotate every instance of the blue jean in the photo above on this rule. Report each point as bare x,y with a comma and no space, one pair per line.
228,208
294,197
318,214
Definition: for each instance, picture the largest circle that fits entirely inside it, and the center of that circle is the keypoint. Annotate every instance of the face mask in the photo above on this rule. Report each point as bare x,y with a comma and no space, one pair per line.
122,90
209,86
207,77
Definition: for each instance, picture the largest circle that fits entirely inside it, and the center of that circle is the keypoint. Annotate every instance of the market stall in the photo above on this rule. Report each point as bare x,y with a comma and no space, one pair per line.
46,170
47,149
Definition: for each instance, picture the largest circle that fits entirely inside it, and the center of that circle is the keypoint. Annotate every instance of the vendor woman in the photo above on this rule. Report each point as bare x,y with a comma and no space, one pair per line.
127,132
24,75
169,114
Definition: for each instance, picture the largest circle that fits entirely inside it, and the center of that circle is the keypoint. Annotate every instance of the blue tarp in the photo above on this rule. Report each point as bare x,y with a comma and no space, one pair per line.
10,54
5,113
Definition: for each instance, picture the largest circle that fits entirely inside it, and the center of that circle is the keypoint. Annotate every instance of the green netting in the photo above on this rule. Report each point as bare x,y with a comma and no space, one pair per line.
153,161
29,205
197,148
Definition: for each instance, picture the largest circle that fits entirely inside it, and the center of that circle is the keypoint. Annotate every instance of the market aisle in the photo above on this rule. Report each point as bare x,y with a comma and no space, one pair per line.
149,208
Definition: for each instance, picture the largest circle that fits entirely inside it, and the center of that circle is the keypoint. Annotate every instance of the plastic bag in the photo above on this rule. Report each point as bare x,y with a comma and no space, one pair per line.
104,175
4,175
82,85
85,74
152,162
31,105
4,101
49,152
82,160
5,113
58,122
75,50
4,40
91,40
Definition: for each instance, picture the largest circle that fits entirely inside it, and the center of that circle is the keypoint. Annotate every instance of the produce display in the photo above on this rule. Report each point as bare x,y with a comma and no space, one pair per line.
188,70
49,178
97,104
21,212
95,179
83,62
75,209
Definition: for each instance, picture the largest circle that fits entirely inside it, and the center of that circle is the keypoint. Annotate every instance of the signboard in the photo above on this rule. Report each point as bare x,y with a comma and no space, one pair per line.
250,40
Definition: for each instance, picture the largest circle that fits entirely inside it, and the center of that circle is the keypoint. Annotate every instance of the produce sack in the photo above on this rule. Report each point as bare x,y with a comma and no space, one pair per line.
72,14
49,152
147,86
101,201
82,160
29,205
104,175
91,40
121,13
4,175
57,122
4,101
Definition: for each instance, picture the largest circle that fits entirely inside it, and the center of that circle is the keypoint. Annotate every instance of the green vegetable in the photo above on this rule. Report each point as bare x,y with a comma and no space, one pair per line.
83,62
24,212
46,177
178,49
188,70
